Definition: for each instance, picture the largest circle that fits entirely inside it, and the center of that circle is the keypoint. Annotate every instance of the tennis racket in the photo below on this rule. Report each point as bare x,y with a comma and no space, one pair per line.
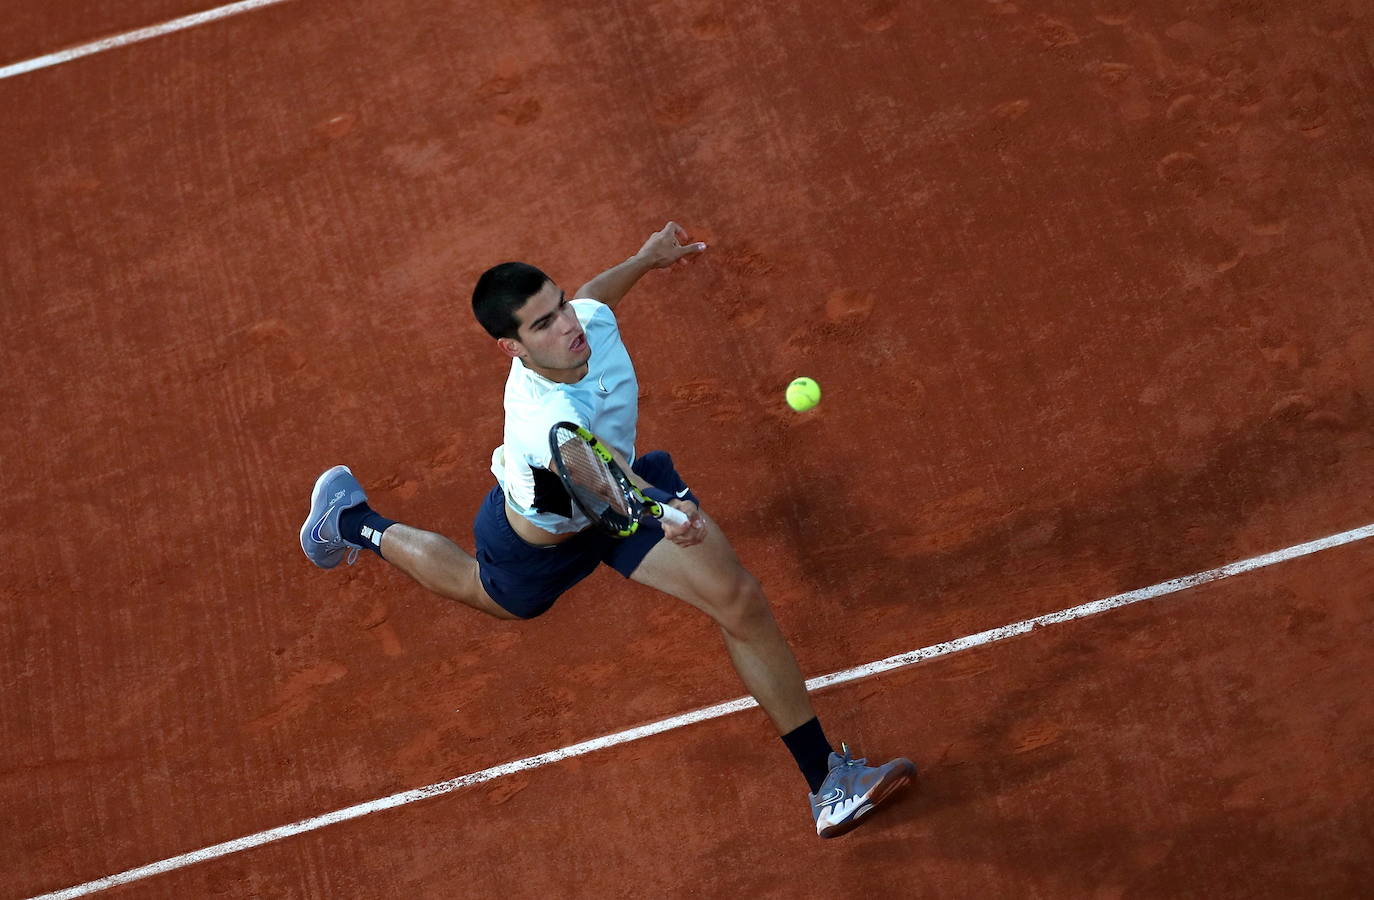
599,486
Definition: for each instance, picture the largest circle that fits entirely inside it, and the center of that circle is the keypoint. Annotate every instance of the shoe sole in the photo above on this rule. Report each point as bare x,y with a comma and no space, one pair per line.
317,507
883,790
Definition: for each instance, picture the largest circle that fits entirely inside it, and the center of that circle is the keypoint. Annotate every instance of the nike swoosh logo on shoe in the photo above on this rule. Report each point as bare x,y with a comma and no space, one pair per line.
841,811
315,532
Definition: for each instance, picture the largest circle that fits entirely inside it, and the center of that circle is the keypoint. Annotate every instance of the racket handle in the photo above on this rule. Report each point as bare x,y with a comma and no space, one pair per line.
672,515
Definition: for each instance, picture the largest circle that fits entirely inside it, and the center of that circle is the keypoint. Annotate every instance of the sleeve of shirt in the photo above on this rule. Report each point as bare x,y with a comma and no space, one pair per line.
588,309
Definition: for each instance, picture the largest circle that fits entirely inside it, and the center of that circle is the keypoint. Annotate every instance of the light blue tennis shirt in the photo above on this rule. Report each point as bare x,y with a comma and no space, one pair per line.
606,401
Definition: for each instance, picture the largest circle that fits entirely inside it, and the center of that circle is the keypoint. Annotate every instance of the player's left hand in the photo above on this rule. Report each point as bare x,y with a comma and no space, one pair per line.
669,247
691,534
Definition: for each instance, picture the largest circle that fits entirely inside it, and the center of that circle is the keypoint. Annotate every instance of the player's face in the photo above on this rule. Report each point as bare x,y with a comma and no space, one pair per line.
550,339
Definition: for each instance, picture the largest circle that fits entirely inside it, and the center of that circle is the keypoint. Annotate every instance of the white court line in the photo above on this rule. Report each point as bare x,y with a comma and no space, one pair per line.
132,37
711,712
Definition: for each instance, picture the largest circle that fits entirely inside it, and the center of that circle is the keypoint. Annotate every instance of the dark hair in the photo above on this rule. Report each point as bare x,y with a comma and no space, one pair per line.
500,292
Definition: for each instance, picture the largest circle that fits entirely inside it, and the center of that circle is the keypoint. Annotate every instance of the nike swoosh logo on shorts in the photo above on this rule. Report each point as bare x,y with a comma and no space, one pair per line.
682,493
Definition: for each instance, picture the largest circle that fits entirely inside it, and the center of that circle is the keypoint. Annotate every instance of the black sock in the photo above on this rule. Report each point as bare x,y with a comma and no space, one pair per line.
360,525
811,751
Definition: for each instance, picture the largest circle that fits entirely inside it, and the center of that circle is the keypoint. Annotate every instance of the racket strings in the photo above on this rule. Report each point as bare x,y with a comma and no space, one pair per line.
590,477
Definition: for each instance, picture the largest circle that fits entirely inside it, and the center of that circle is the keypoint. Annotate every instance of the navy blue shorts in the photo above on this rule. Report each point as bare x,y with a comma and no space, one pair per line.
526,579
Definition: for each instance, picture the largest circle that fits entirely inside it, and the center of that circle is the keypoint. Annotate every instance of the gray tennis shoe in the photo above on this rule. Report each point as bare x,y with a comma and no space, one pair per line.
852,790
335,491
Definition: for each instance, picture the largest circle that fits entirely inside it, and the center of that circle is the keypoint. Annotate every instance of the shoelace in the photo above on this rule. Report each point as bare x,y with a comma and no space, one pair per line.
849,760
352,556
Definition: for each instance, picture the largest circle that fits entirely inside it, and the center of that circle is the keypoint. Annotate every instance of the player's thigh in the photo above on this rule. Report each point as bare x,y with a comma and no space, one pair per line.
709,575
479,598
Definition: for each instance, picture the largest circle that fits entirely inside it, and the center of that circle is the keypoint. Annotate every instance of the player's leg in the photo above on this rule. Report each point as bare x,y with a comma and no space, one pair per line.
439,565
710,577
508,579
341,524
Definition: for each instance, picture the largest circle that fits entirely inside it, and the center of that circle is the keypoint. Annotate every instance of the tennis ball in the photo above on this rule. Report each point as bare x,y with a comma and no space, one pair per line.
803,393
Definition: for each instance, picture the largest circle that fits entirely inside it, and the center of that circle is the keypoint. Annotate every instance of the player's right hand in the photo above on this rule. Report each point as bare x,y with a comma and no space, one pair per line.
690,534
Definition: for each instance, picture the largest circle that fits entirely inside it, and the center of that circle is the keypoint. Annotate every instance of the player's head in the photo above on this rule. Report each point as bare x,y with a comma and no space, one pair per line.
531,319
500,292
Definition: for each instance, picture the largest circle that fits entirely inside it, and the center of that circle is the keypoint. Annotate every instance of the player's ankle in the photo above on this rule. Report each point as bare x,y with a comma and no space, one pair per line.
363,527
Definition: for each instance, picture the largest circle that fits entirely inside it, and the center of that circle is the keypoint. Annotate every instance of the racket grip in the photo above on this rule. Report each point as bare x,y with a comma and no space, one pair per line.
672,515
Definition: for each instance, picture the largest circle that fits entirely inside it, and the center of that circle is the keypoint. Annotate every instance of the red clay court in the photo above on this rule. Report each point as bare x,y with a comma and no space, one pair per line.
1087,285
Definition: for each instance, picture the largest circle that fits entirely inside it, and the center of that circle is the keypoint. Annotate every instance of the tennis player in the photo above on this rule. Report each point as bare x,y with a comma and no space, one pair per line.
568,364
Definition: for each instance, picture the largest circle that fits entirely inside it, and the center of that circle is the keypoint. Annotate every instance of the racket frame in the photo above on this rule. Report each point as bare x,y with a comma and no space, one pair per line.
638,503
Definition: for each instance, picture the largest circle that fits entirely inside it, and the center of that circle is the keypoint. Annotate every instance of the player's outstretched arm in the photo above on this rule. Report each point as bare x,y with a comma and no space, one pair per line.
665,248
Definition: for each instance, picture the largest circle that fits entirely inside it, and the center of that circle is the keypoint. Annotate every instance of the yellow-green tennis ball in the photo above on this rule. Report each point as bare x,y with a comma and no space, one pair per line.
802,394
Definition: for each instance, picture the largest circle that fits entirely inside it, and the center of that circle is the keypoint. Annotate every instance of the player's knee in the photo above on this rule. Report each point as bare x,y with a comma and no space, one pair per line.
743,608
